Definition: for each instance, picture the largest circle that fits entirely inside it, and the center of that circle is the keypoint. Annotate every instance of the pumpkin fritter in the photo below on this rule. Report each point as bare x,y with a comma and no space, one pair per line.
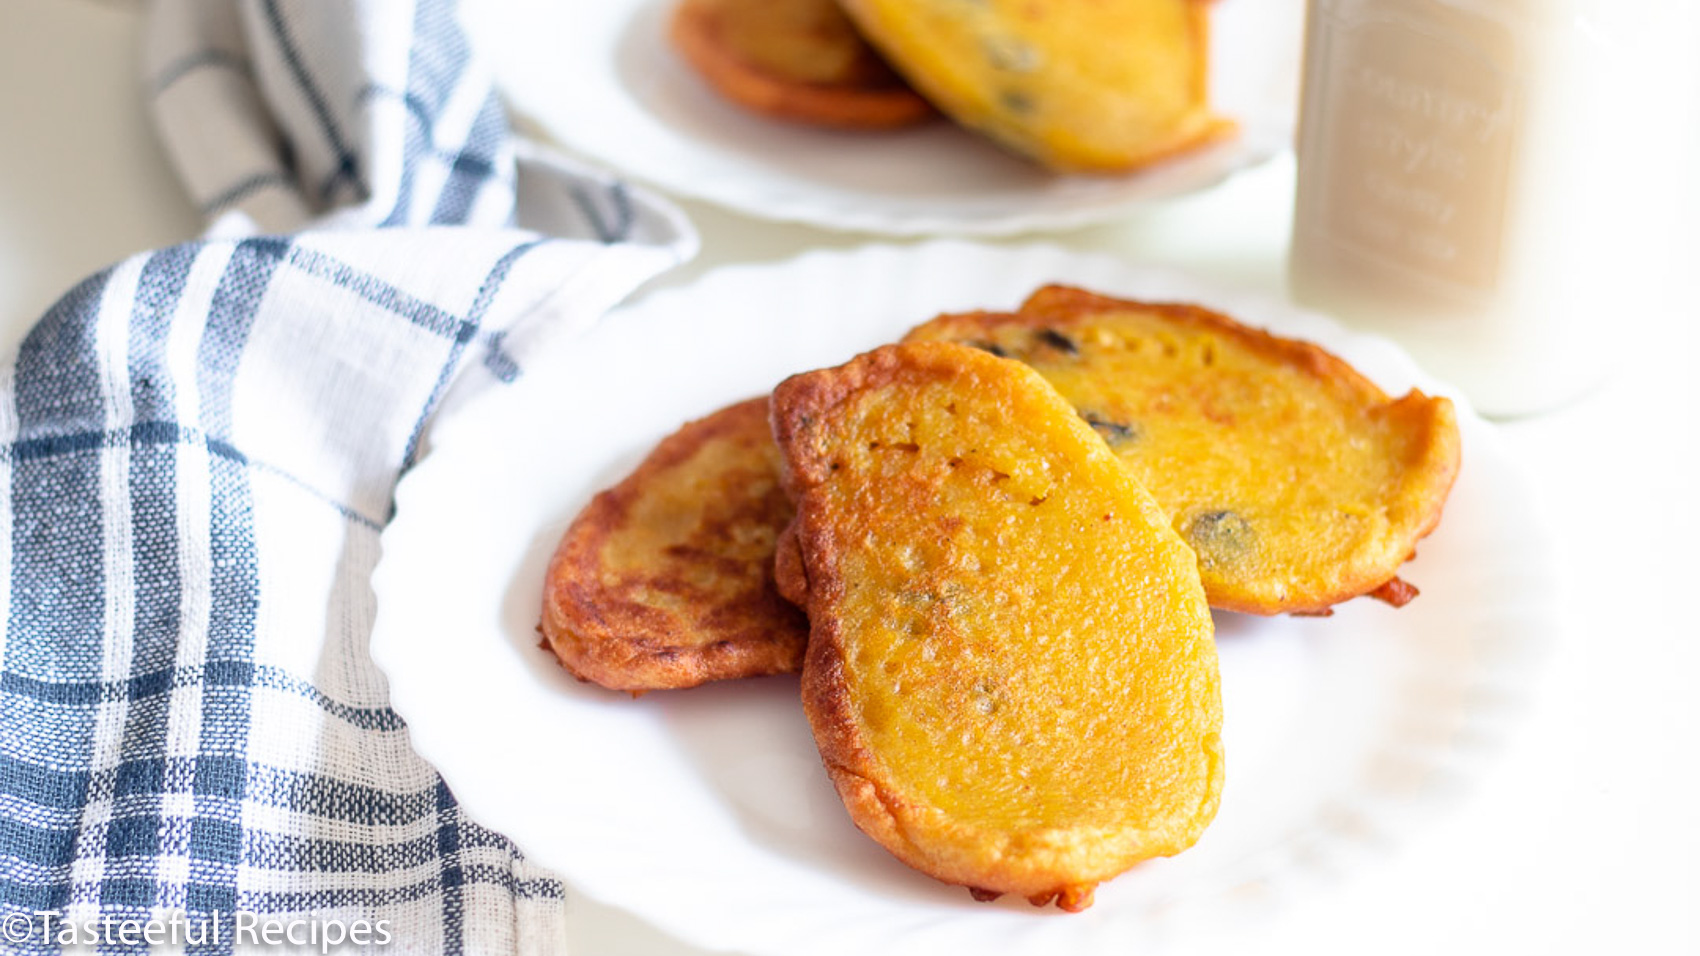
666,579
799,60
1104,86
1010,672
1298,481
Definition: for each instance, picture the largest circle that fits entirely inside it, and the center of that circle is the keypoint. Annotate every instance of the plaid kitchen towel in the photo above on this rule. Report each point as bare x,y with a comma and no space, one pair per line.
200,449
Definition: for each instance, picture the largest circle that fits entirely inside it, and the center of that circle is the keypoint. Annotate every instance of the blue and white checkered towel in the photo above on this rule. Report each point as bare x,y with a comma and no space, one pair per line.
200,449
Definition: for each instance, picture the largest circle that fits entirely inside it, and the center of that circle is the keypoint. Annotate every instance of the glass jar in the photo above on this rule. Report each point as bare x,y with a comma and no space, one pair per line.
1456,191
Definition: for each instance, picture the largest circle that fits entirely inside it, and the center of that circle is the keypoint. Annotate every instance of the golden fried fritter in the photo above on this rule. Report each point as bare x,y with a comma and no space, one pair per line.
666,579
799,60
1104,86
1298,481
1010,671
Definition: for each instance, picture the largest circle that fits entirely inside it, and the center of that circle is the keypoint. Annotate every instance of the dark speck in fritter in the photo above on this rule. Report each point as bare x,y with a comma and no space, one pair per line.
1059,341
1221,537
1016,102
1113,432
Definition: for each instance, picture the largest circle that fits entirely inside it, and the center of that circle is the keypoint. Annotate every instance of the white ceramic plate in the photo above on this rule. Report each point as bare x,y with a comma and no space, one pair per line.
601,79
706,811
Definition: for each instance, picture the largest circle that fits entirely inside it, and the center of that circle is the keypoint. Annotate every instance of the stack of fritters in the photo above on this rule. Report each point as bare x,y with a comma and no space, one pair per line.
1005,534
1105,86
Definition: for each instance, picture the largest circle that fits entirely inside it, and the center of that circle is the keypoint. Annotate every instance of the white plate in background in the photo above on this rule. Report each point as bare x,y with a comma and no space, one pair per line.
600,78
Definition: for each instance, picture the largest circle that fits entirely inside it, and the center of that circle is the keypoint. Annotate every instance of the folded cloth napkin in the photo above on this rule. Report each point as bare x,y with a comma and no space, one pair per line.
201,447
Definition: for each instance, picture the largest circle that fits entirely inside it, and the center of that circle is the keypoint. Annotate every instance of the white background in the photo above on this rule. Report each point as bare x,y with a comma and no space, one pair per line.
1582,837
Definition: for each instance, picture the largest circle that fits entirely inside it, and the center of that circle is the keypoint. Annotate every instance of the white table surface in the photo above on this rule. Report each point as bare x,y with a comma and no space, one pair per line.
1583,836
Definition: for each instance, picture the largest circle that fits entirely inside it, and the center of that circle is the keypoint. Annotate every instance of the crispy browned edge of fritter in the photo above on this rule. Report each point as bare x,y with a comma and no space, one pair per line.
607,639
808,576
695,33
1061,307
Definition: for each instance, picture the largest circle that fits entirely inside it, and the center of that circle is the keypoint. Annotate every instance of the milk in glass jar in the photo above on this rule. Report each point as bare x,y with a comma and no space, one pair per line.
1450,190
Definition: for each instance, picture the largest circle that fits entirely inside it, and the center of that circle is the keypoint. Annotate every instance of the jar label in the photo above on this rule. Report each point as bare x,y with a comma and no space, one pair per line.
1409,132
